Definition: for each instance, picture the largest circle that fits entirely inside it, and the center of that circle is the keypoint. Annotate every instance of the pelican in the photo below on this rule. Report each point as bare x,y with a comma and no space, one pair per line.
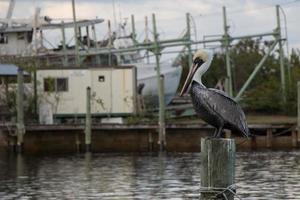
214,106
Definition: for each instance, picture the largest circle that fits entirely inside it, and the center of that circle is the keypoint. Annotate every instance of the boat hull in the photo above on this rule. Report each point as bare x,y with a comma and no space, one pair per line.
147,76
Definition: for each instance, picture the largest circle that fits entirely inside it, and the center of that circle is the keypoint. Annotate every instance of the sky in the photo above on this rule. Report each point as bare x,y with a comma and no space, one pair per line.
244,16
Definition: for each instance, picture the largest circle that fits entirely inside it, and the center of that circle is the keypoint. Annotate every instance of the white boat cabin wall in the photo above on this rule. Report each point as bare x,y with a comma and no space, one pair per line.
62,92
15,42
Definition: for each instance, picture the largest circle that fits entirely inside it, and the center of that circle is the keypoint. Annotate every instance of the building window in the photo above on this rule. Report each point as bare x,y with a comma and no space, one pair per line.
62,84
56,84
49,84
101,78
3,38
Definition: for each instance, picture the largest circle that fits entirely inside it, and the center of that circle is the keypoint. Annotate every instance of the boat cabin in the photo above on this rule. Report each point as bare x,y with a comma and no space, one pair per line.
63,92
15,41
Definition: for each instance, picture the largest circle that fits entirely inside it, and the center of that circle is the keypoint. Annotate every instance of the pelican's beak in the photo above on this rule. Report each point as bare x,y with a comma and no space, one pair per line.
189,79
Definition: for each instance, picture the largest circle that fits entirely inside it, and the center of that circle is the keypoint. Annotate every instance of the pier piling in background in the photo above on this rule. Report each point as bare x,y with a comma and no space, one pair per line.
160,80
88,120
162,124
217,168
20,111
298,119
269,138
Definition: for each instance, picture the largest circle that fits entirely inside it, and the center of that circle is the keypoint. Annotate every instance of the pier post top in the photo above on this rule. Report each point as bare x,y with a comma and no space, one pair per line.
218,139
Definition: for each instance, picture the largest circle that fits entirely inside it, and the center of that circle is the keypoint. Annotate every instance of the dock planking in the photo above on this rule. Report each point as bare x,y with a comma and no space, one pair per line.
180,137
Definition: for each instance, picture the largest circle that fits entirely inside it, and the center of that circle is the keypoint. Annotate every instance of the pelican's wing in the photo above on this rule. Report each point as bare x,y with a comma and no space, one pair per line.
227,109
220,92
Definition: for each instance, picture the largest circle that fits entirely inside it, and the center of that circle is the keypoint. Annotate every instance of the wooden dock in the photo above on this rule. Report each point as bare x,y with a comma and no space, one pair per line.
180,137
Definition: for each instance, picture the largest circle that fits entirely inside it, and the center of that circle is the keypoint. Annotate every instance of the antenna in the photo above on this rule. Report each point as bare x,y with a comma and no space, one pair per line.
114,13
120,19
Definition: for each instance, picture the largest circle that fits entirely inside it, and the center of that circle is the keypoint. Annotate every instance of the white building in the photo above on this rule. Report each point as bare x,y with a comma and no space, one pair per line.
62,92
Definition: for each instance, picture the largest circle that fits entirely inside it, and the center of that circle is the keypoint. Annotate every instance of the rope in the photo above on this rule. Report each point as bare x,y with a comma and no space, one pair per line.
221,192
242,142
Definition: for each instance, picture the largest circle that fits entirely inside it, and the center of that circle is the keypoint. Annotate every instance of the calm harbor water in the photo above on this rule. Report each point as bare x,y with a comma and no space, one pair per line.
259,175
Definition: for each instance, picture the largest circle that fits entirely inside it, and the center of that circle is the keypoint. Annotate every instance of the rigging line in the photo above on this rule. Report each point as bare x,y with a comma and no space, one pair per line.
286,32
234,11
265,7
246,10
291,2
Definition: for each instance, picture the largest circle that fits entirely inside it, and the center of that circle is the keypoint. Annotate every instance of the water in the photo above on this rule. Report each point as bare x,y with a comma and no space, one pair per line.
263,175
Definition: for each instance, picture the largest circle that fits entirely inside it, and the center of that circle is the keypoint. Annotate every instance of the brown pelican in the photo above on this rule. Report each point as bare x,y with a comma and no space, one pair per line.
212,105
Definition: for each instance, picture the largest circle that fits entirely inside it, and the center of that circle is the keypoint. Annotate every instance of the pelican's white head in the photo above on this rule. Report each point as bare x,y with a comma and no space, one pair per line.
201,54
201,62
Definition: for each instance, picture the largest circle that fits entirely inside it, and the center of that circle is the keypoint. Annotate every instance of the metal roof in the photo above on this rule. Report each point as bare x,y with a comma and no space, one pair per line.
10,70
79,23
16,29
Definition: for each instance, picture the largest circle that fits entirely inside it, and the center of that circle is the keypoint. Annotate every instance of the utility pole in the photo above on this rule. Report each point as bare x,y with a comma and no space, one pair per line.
75,34
226,43
281,56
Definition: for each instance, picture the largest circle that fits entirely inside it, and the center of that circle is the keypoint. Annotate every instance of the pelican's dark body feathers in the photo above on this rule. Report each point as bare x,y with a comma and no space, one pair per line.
218,109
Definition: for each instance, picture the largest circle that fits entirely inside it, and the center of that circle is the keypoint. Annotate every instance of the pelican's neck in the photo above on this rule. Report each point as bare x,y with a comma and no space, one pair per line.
201,70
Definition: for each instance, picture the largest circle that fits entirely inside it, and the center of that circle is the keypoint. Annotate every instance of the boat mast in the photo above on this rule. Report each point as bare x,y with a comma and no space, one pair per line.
10,11
75,34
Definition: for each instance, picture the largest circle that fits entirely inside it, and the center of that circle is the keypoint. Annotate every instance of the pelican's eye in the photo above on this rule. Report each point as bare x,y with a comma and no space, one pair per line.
198,61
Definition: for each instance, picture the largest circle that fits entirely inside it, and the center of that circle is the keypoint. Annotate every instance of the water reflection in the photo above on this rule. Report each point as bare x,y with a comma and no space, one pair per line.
267,175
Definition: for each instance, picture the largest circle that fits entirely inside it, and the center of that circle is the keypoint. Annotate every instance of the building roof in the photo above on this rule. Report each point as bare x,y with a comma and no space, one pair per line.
10,70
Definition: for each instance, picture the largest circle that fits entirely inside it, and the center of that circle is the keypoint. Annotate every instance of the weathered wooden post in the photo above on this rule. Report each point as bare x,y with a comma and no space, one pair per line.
269,138
160,79
217,168
88,121
20,112
162,124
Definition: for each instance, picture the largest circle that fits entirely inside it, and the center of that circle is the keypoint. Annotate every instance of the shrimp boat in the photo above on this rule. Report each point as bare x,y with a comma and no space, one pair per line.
26,38
147,75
